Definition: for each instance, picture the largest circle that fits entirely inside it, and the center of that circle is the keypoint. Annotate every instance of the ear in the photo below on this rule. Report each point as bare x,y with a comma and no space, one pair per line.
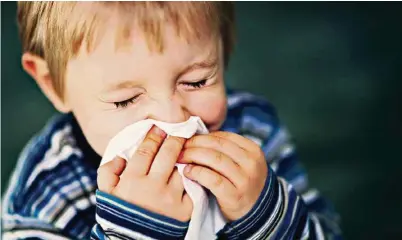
39,70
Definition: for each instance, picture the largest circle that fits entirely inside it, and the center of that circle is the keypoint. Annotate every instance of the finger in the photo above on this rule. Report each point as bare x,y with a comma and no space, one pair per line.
220,144
243,142
216,161
221,187
141,161
109,174
176,183
254,160
166,158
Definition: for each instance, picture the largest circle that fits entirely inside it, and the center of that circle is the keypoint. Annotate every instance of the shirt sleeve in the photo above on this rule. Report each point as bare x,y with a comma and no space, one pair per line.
115,219
287,207
50,194
123,220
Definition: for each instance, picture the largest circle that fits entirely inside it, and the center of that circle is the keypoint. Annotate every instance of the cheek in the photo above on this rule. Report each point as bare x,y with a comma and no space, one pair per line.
96,130
98,125
210,107
80,89
99,128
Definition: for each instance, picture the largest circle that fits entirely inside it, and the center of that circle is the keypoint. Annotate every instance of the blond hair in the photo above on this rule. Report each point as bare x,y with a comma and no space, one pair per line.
55,31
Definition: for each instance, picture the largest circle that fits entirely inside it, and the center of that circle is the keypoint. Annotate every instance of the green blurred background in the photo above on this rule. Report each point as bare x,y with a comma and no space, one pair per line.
332,69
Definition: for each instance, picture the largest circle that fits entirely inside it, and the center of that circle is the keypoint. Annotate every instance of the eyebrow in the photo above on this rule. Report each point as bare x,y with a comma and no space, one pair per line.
203,64
121,85
208,63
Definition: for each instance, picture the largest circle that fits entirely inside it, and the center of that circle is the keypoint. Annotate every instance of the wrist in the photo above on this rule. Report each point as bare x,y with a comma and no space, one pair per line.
264,207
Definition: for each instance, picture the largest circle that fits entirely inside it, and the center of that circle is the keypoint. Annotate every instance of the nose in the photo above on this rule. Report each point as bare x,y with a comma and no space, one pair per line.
171,110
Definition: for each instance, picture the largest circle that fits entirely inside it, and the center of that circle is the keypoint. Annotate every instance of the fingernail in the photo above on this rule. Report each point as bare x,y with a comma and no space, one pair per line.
118,164
159,131
188,168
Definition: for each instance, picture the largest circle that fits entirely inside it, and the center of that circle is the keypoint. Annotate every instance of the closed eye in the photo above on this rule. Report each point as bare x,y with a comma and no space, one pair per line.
198,84
125,103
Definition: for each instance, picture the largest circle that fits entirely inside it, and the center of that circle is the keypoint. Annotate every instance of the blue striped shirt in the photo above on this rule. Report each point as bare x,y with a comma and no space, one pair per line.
53,191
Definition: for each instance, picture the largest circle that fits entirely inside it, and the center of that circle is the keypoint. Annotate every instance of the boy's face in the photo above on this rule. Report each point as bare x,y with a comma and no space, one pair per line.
112,87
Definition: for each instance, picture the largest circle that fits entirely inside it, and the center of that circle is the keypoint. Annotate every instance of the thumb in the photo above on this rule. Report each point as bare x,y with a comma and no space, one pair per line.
109,174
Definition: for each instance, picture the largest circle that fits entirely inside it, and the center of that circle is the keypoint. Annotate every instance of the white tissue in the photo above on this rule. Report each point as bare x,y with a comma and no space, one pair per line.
206,218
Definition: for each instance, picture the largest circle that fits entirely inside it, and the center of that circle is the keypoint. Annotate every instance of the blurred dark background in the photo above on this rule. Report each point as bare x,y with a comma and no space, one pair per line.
332,69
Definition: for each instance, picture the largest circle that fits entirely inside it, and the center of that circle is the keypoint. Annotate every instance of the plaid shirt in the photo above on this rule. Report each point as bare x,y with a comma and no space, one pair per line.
53,191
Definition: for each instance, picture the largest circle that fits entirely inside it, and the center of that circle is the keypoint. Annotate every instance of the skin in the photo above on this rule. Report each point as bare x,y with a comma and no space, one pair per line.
108,89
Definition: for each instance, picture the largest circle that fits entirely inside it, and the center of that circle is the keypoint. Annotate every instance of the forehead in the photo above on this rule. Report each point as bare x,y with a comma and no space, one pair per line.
134,59
139,44
190,21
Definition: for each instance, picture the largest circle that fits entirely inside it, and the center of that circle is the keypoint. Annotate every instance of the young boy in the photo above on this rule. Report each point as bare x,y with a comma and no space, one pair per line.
106,65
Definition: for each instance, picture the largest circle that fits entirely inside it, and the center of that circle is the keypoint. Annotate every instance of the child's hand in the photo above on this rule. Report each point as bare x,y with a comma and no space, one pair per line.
149,179
232,167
